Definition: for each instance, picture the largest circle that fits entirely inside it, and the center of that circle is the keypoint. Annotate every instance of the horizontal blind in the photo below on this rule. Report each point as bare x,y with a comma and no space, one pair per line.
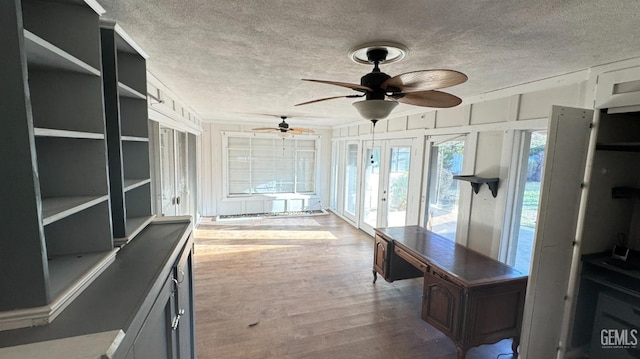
258,165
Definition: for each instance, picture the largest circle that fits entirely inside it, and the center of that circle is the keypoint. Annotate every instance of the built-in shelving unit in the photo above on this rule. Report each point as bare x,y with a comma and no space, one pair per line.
124,76
56,205
476,182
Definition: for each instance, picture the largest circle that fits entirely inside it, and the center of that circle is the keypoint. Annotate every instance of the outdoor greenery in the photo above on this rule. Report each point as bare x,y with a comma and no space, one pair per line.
398,191
449,164
530,204
534,176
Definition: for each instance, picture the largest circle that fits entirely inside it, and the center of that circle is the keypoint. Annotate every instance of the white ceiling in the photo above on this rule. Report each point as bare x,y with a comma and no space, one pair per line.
231,59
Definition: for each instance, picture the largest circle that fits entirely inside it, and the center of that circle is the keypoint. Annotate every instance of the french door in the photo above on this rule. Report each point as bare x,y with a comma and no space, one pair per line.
386,184
174,184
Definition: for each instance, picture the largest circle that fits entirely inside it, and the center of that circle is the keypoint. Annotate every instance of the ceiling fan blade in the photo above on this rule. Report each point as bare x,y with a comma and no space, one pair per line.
327,98
343,84
425,80
265,129
299,131
436,99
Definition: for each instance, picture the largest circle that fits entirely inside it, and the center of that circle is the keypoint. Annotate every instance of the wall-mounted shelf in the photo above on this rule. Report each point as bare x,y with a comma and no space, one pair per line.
476,182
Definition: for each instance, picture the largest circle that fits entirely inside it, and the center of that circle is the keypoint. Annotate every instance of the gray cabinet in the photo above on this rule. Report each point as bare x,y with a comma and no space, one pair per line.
142,304
55,201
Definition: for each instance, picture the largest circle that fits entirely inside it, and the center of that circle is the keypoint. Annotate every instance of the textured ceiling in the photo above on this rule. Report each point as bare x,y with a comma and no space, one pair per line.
231,59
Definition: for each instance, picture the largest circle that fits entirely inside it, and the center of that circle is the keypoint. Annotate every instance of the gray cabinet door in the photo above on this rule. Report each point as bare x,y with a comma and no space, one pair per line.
185,308
156,338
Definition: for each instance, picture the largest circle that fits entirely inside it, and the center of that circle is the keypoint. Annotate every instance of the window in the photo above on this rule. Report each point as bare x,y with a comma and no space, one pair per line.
527,199
266,165
351,180
445,162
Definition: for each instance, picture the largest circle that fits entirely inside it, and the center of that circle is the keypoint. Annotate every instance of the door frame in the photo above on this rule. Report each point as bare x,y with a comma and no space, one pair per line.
415,174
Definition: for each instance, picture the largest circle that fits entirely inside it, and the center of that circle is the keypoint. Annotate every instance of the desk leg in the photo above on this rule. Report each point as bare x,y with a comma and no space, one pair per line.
375,276
461,352
514,344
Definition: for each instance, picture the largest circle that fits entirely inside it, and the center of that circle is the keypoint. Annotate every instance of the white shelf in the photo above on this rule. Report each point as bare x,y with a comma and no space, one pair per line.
57,208
134,139
130,184
126,91
41,53
50,132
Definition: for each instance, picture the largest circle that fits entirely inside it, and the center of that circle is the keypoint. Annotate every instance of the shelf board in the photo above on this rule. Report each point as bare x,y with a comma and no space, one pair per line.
126,91
50,132
619,146
476,182
134,225
57,208
43,54
68,277
130,184
70,274
134,139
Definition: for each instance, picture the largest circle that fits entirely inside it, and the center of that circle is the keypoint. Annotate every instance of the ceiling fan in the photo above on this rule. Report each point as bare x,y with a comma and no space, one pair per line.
283,129
383,92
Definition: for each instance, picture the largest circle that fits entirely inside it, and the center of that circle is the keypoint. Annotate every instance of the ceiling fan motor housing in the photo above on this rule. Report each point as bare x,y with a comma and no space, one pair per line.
375,78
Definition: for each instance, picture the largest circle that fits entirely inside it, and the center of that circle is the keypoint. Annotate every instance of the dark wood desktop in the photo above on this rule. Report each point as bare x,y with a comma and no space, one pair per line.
470,297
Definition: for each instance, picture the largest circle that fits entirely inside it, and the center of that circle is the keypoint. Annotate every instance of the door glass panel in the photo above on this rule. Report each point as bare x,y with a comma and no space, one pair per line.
445,162
351,179
167,171
398,192
371,186
182,198
333,204
527,200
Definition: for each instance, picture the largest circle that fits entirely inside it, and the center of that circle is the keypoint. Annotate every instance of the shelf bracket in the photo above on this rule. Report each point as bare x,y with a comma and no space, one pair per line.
476,183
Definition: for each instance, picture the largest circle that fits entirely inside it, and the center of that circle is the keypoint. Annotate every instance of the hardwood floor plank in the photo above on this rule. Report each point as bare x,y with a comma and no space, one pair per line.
302,288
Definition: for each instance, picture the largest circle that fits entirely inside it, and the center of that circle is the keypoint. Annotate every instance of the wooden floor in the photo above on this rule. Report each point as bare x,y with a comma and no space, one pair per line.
302,288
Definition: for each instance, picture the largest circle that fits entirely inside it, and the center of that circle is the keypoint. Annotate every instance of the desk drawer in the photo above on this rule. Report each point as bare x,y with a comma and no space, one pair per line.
421,266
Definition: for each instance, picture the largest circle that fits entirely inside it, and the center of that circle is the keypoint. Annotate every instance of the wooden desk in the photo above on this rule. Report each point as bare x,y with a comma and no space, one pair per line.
472,298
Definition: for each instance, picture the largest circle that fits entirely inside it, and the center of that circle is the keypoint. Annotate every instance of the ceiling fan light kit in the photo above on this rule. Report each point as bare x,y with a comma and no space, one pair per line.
375,109
383,92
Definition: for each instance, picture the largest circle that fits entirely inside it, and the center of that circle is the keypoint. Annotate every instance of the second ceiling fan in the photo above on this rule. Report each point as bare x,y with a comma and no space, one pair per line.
284,129
383,92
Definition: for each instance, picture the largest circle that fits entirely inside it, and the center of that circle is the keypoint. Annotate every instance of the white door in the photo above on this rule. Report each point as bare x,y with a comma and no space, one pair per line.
174,183
386,186
568,136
